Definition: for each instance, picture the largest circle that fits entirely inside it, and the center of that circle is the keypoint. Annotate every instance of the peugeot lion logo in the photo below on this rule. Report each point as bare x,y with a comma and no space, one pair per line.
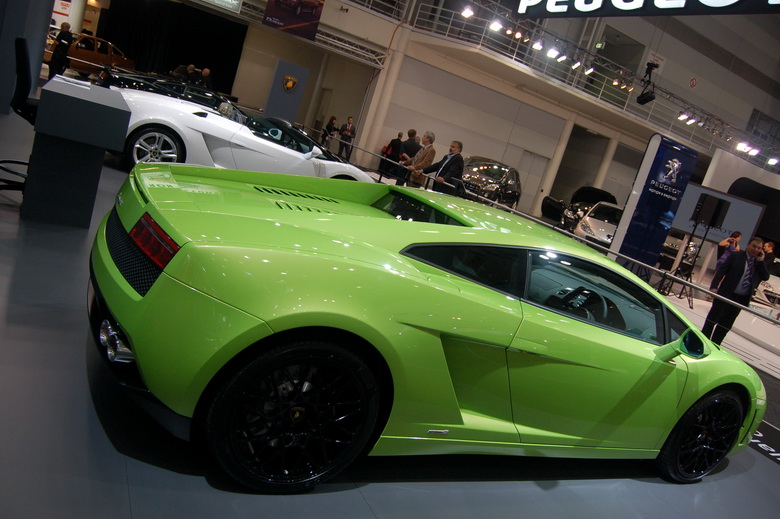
289,83
672,170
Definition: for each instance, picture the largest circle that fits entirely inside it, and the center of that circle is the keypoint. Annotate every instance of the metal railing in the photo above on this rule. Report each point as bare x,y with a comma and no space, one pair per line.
596,76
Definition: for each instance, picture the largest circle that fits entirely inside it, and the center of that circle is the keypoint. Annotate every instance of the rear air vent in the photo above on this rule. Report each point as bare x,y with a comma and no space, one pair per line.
303,208
284,192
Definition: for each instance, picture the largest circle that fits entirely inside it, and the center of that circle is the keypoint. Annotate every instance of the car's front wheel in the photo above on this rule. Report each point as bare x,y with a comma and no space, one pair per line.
702,437
154,144
293,417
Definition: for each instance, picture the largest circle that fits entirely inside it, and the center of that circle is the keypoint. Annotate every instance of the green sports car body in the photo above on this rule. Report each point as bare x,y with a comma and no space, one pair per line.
296,322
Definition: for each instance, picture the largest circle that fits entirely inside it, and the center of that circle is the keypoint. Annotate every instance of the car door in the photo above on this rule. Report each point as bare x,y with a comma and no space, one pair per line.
583,366
266,147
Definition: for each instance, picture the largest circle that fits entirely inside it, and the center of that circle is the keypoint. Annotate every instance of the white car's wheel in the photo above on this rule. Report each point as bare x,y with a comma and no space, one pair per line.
154,144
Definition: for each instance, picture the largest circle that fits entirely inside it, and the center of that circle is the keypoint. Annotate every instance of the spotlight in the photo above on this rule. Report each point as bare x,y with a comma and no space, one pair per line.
743,146
467,12
552,53
772,161
754,152
562,57
576,65
508,31
588,71
615,82
690,121
518,35
495,26
683,116
538,45
631,88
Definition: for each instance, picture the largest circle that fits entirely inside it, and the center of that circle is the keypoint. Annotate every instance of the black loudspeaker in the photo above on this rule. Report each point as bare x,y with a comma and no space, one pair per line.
645,97
710,210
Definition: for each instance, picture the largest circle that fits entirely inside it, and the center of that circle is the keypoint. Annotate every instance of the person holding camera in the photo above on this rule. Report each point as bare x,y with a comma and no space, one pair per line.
727,246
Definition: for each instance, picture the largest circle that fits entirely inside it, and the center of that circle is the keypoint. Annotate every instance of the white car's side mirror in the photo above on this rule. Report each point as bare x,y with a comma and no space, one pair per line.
314,152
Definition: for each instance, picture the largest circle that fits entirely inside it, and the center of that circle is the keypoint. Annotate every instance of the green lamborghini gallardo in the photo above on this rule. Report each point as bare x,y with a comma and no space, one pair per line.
294,323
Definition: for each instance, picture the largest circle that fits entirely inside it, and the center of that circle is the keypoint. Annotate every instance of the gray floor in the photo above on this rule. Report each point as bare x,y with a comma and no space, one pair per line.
68,451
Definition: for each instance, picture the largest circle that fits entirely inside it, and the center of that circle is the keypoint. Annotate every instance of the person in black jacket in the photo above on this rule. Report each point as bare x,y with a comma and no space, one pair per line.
59,55
736,279
449,170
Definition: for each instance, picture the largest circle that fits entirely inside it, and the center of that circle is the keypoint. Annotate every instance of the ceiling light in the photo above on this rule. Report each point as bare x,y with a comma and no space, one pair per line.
754,152
631,88
589,70
772,161
576,65
508,31
683,116
495,26
690,121
538,45
553,53
518,35
467,12
743,146
562,57
615,82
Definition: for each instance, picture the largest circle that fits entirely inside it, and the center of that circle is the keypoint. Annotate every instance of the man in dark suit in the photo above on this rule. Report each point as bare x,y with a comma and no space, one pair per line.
449,170
736,279
347,133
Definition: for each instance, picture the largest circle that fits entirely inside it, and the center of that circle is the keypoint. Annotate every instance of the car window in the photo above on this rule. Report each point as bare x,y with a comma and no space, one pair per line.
86,44
593,293
677,326
499,268
102,47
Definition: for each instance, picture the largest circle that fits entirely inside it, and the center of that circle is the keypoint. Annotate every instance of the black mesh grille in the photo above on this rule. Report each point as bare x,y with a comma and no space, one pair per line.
135,267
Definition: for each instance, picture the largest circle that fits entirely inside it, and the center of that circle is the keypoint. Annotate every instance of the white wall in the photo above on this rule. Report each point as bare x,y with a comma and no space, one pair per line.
263,47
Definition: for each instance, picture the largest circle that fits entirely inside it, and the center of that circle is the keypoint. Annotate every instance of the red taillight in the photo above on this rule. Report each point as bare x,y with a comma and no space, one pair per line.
153,241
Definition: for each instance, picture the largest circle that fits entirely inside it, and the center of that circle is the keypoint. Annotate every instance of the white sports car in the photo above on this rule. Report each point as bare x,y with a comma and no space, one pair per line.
167,129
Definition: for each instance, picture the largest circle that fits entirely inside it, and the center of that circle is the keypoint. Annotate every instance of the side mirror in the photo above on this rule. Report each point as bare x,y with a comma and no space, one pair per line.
314,152
688,344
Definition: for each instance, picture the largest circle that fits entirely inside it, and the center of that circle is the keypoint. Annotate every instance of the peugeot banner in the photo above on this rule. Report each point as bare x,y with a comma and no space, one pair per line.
658,190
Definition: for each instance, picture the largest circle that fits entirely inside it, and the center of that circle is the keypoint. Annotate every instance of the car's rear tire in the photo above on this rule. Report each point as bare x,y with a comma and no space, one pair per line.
294,416
154,144
702,438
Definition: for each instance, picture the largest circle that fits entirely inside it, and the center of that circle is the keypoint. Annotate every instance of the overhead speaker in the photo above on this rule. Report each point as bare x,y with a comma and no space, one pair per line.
645,97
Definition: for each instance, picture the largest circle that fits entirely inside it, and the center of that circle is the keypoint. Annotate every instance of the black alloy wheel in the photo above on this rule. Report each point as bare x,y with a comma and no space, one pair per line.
293,417
702,438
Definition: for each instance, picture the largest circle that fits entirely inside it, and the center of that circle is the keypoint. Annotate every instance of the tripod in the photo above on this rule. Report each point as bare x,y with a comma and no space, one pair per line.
683,271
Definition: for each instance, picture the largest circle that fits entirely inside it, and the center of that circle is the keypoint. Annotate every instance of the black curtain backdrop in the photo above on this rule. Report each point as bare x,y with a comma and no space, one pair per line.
161,35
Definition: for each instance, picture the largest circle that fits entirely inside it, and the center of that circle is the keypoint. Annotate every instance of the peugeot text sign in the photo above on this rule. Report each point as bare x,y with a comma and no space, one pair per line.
577,8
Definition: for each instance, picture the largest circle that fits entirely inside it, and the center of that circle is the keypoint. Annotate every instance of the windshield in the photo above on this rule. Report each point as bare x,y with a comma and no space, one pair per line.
276,131
494,170
606,213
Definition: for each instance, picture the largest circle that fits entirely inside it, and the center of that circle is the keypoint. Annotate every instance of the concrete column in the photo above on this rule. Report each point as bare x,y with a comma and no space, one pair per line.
78,8
374,121
548,179
606,161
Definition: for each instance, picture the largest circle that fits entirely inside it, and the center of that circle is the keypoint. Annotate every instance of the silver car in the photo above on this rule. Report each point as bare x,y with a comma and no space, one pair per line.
599,223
